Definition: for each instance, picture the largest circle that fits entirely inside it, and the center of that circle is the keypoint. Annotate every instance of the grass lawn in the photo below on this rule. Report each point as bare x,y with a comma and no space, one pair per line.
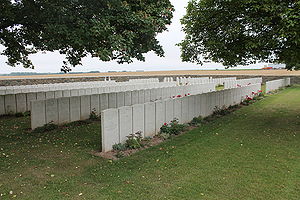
253,153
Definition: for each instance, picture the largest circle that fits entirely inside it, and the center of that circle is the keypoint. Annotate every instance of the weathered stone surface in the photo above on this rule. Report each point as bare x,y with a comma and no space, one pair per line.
177,109
141,96
120,99
30,97
50,95
38,114
58,94
63,110
185,110
153,95
169,112
127,98
138,118
66,93
159,115
125,123
134,97
41,95
103,101
52,111
74,109
21,103
147,96
74,93
85,107
82,92
191,107
10,104
2,106
112,100
95,104
149,119
109,129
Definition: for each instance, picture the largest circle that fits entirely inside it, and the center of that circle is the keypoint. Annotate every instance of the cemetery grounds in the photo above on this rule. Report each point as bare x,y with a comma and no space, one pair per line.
252,153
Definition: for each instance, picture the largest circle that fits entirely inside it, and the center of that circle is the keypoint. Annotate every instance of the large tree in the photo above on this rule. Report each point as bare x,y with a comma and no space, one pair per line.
108,29
241,32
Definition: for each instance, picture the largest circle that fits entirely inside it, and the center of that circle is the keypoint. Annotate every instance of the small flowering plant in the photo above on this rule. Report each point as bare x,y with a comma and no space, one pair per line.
172,128
260,93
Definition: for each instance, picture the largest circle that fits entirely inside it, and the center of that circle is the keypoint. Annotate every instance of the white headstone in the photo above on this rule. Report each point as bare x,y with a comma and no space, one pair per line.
10,104
159,115
125,123
112,100
74,108
38,114
52,111
109,129
138,118
149,119
103,101
63,110
85,107
21,103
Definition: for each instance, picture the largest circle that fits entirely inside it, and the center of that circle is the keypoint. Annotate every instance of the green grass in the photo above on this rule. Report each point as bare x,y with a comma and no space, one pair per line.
253,153
220,87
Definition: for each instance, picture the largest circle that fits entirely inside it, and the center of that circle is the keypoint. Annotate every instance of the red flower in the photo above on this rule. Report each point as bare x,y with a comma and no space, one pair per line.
179,95
189,94
185,95
165,124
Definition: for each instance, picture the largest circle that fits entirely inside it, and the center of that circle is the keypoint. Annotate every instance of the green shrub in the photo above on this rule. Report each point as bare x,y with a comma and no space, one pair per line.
196,121
174,128
134,141
221,111
19,114
46,128
93,115
119,147
164,136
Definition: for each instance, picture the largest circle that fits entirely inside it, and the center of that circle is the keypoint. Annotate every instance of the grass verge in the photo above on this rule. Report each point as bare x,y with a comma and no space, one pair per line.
252,153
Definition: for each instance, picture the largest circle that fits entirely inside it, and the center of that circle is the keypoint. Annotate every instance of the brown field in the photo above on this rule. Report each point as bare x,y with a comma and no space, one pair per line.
167,73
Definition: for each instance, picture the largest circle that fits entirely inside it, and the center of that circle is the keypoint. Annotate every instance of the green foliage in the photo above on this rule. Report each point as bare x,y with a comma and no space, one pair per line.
119,154
164,135
19,114
134,141
270,138
110,30
196,121
22,114
242,32
173,128
93,115
221,111
46,128
119,147
219,87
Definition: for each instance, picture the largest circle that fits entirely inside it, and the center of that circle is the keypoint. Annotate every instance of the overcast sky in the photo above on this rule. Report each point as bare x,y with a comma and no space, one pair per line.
52,62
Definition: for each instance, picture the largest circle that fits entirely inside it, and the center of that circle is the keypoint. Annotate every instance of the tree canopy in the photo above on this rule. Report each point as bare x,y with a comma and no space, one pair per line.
108,29
236,32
